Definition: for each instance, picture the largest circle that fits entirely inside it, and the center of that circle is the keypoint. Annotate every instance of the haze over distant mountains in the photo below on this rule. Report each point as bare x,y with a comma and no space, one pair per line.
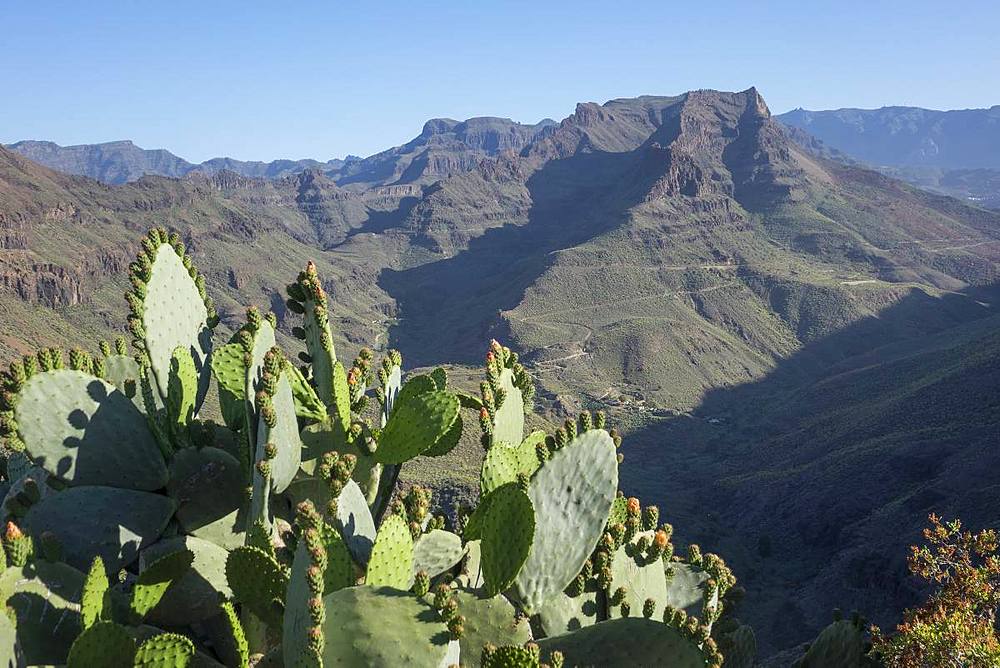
954,152
444,146
805,353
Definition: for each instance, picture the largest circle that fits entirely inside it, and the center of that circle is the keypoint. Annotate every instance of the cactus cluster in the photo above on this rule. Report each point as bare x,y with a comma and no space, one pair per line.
140,534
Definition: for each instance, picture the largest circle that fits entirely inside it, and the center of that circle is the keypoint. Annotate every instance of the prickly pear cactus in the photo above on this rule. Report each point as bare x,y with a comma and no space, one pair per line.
505,395
84,430
571,495
170,310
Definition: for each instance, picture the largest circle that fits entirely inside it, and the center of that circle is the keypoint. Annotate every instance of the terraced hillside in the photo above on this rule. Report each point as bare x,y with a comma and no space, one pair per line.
770,325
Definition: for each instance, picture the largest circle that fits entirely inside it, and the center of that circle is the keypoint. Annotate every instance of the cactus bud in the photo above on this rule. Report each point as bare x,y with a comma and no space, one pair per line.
648,608
650,518
625,609
633,507
421,583
456,626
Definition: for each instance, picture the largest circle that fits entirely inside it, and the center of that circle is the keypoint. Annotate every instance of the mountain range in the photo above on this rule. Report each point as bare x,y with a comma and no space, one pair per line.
803,352
953,152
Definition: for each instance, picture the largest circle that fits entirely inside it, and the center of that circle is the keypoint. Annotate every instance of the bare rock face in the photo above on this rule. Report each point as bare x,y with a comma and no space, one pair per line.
42,283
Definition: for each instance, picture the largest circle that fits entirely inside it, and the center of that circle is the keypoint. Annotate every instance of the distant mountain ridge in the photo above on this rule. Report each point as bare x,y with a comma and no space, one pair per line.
120,162
443,147
908,136
954,152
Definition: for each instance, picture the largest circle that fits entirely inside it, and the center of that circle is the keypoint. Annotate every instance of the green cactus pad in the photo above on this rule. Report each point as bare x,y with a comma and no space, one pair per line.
440,377
839,645
436,552
625,642
95,603
641,579
416,425
10,650
256,581
228,369
263,341
448,440
207,485
103,644
739,647
168,650
318,439
196,594
227,637
391,390
572,495
508,425
391,562
230,375
122,371
32,475
507,529
174,315
307,402
285,435
182,389
45,598
685,588
354,522
414,386
106,522
471,577
154,580
504,463
297,619
488,620
382,628
85,431
340,408
563,613
619,511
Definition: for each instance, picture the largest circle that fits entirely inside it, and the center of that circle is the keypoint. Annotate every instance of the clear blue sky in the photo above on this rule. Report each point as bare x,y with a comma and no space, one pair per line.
299,79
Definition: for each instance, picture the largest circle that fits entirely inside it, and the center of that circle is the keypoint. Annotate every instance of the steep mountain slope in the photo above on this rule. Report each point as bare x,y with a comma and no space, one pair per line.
122,161
678,261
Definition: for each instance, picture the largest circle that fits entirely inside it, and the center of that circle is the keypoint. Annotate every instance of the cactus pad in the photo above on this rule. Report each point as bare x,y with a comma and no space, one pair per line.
355,523
103,644
263,341
507,529
685,588
122,371
206,484
167,650
382,628
297,620
284,434
174,315
256,580
503,463
10,650
642,579
448,440
563,613
195,595
508,425
488,620
95,601
437,551
415,425
45,598
101,522
572,495
391,563
154,580
626,642
85,431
